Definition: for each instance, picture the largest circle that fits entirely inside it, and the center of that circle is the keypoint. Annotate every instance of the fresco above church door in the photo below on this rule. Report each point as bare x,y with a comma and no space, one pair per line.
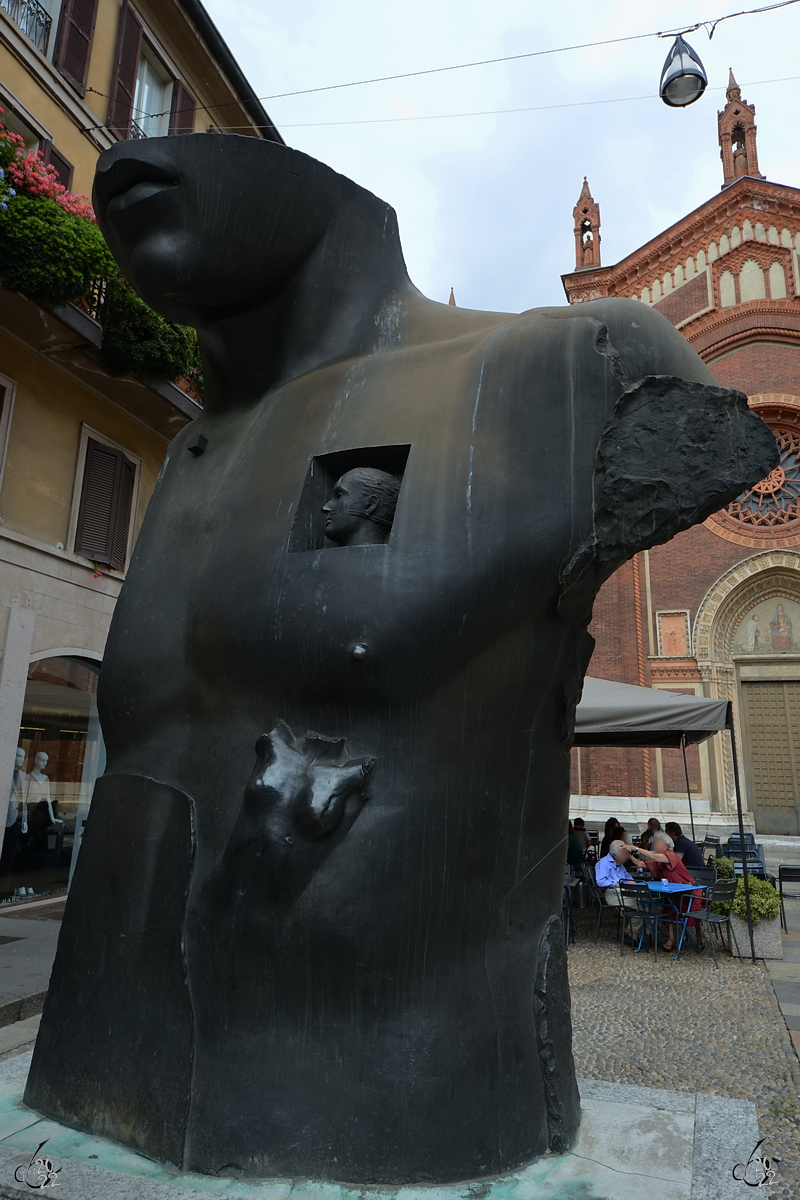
770,627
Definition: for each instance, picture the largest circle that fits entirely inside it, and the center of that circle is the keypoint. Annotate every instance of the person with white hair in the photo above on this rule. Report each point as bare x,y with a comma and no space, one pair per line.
609,873
667,866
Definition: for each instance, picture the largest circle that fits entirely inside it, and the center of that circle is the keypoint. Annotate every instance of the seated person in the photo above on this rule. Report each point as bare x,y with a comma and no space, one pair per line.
574,850
667,866
609,873
613,833
579,827
689,851
653,826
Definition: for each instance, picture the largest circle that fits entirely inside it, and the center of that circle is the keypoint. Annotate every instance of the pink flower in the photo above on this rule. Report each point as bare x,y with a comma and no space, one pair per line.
28,173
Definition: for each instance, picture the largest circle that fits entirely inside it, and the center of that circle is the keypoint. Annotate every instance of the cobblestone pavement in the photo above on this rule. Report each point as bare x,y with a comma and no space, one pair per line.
685,1026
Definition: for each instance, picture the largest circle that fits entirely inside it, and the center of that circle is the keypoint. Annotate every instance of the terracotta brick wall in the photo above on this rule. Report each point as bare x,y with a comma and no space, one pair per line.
752,346
760,367
681,572
689,299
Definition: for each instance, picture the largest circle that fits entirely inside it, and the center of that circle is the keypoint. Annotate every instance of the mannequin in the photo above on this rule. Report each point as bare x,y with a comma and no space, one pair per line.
19,793
13,856
39,787
327,854
42,818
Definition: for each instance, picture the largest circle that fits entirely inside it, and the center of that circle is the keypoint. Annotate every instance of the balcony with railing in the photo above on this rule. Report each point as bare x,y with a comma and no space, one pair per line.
33,19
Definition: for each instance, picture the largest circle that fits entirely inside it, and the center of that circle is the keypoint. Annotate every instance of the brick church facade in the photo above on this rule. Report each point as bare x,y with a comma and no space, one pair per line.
715,611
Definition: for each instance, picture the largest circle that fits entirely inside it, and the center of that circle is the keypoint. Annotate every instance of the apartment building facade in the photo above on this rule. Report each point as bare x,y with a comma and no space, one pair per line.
81,447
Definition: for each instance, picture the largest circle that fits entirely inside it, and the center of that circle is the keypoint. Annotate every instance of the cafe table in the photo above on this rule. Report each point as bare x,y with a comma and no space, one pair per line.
658,887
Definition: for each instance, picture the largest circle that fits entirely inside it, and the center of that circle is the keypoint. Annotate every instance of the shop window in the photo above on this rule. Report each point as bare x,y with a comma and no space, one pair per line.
60,754
105,509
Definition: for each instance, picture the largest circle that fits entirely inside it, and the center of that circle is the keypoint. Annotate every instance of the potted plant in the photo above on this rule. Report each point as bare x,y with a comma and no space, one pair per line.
724,867
765,905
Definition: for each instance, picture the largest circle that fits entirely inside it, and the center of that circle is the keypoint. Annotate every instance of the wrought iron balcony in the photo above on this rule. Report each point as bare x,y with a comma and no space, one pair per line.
136,129
34,20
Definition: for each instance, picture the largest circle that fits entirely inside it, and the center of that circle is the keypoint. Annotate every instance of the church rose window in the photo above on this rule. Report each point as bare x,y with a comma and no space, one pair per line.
776,499
769,513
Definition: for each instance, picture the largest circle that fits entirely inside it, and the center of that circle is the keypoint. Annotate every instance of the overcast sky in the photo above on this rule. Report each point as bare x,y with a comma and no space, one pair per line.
485,202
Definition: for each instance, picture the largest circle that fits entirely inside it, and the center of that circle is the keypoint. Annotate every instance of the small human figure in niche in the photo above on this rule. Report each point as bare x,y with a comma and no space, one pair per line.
753,632
361,510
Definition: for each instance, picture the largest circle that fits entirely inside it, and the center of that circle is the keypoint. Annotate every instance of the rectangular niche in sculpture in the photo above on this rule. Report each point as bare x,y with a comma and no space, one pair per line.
349,498
674,639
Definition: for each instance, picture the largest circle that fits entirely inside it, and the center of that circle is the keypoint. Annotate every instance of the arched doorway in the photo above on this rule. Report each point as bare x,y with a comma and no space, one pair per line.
748,650
59,756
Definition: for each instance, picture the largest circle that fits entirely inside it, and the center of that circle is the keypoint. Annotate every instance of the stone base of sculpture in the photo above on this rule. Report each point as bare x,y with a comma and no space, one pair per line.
687,1143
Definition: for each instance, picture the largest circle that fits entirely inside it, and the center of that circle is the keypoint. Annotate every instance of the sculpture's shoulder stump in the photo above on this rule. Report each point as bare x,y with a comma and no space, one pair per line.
635,339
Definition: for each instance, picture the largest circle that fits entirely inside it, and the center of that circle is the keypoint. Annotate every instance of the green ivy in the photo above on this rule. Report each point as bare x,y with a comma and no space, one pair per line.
49,255
137,341
724,867
54,257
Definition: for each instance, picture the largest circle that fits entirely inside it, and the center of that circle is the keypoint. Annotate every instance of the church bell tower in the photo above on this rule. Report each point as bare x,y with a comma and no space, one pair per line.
737,136
586,214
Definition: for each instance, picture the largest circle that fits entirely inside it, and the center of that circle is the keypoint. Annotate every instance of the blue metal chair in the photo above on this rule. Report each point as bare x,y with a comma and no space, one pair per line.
722,893
787,873
646,911
598,899
681,904
566,909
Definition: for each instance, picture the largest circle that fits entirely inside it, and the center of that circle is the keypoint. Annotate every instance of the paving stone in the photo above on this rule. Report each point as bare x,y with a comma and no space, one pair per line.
682,1025
21,1033
787,993
784,971
722,1128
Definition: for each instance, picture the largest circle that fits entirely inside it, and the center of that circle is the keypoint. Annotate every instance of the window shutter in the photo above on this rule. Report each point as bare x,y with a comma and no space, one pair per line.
182,109
74,44
119,533
105,508
64,168
126,70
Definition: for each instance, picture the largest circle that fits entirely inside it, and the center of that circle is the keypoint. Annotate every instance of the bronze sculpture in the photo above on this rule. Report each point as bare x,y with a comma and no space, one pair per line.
361,510
346,962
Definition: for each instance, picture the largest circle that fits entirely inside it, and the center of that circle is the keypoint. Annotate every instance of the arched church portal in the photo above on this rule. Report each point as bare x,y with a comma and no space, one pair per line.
748,649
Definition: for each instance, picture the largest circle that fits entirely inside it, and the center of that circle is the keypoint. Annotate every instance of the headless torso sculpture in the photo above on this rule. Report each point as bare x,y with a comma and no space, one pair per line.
338,956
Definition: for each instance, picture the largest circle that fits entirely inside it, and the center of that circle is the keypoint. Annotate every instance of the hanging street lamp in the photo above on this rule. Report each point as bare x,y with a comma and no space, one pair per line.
683,79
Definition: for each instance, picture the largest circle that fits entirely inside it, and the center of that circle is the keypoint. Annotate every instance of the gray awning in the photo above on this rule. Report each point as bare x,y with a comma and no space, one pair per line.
619,714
